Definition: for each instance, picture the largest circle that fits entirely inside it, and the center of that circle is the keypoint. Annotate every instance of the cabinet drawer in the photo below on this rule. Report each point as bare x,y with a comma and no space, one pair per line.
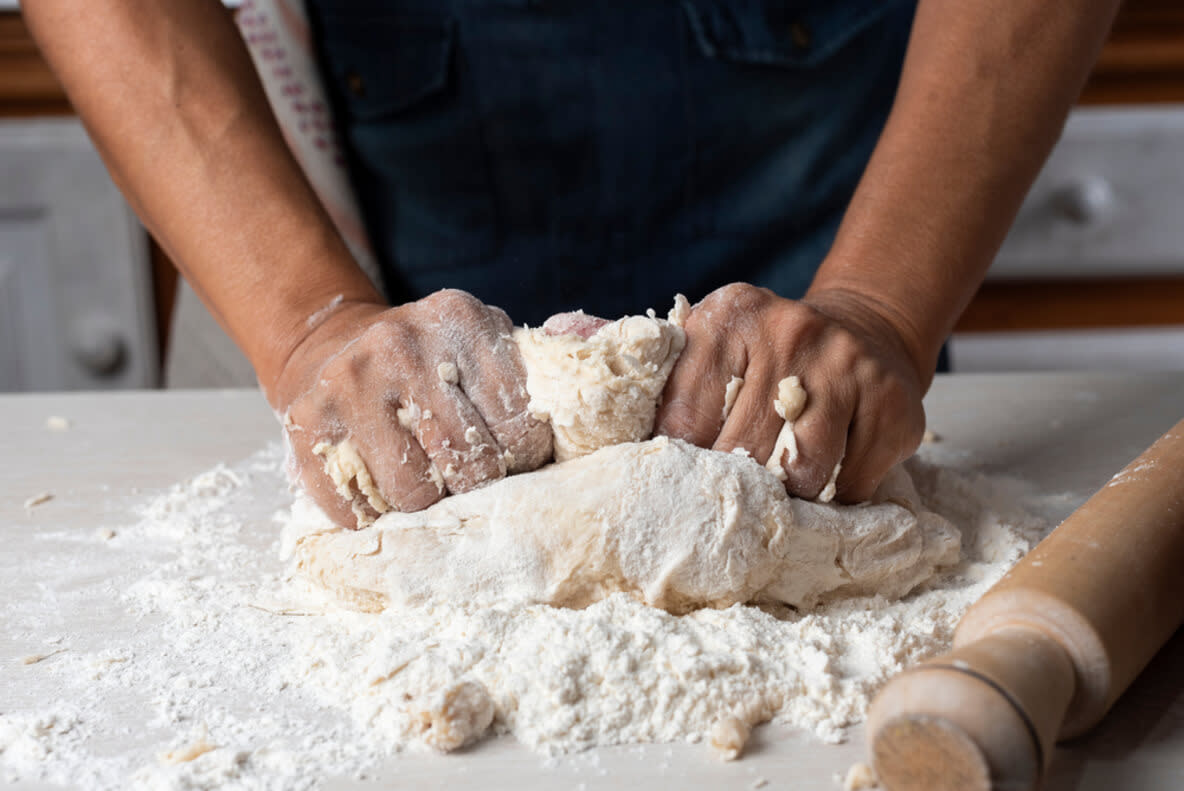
76,306
1110,200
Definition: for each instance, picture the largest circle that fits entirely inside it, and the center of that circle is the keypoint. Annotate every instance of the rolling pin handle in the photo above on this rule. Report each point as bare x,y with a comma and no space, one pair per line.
1046,652
983,717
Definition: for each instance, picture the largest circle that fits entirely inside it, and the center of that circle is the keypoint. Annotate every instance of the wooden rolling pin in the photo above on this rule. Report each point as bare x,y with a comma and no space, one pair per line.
1047,650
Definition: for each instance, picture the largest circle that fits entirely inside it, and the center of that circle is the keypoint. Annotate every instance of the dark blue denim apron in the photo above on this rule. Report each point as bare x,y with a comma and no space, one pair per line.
602,154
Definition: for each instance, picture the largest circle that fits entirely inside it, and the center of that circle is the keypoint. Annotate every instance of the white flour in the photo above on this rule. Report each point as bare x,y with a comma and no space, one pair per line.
265,685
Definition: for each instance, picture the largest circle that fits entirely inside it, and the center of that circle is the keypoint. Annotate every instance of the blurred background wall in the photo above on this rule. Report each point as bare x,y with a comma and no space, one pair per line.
1092,275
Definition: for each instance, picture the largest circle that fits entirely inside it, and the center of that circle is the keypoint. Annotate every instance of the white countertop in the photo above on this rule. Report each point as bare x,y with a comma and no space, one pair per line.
1064,433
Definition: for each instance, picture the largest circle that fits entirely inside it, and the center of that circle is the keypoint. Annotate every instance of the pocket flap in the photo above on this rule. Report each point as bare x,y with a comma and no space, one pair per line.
779,32
381,64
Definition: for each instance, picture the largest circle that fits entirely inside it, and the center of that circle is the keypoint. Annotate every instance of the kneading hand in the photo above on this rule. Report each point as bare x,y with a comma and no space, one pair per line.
430,394
863,404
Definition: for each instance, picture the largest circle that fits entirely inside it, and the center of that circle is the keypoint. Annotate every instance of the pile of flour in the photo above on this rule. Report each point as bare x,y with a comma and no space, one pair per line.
237,676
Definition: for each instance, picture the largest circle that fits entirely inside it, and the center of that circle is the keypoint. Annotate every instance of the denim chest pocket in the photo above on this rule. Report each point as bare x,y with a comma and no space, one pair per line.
381,65
789,33
407,115
785,99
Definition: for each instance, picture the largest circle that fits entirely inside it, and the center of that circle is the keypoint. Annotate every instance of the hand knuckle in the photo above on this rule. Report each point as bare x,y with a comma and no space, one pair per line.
390,336
846,349
741,297
453,301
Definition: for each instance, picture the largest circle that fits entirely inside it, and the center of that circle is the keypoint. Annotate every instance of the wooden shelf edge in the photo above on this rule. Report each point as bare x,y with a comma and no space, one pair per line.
1075,304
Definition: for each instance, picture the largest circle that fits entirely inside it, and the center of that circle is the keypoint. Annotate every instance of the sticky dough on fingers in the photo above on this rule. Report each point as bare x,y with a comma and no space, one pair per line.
788,404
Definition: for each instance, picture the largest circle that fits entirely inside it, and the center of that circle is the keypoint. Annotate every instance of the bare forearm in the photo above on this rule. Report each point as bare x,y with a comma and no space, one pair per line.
170,97
984,94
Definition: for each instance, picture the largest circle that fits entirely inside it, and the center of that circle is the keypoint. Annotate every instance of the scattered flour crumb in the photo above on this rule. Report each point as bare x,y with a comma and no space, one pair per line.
197,746
448,373
728,737
57,423
450,718
759,782
105,533
930,437
860,777
38,499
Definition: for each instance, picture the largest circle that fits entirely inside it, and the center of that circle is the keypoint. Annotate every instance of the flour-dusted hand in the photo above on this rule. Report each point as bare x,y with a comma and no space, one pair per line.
393,408
863,391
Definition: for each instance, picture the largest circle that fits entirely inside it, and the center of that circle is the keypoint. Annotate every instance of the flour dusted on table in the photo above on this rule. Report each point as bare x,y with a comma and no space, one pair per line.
219,651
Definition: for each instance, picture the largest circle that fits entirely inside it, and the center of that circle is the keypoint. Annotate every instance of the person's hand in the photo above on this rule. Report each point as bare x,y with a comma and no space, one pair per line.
431,394
863,388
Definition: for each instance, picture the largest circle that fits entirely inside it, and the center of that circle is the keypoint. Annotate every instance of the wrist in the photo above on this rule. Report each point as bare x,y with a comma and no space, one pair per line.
890,325
311,330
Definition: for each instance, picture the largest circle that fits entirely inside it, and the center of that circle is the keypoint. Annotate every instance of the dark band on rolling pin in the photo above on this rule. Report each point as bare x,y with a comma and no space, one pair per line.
1006,696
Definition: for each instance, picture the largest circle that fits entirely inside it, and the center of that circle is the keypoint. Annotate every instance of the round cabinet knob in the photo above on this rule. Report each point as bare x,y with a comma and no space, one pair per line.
98,347
1087,201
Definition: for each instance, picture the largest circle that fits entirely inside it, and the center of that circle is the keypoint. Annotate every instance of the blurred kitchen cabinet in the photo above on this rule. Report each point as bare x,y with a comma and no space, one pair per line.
1143,60
76,306
1108,202
1091,275
27,87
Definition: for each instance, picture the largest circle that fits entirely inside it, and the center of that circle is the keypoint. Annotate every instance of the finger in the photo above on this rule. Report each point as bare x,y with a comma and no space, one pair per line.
820,433
308,467
753,423
692,407
875,444
455,438
397,463
863,470
351,402
491,375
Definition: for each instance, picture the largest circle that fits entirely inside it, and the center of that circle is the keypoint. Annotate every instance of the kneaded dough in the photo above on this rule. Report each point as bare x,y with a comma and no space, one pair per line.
673,525
601,390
